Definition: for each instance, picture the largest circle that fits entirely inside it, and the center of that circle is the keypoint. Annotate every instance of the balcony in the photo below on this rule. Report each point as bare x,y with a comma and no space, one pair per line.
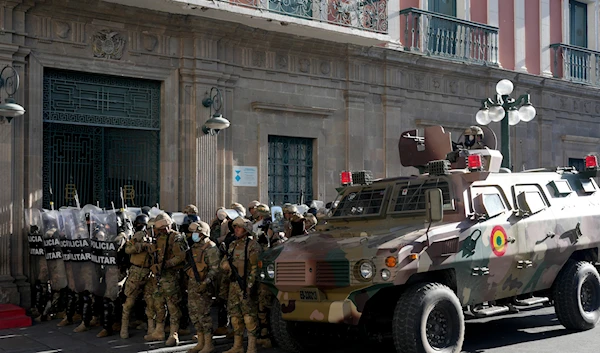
576,64
362,22
448,37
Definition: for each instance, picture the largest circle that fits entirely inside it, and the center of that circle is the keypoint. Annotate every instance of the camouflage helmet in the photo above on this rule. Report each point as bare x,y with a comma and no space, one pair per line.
473,131
162,220
244,223
296,217
238,207
253,204
311,219
263,210
151,222
289,208
200,227
190,209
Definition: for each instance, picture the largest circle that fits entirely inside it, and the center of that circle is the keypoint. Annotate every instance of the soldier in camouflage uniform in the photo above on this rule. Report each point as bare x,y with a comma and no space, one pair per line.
252,210
139,272
241,262
170,248
203,263
288,211
217,224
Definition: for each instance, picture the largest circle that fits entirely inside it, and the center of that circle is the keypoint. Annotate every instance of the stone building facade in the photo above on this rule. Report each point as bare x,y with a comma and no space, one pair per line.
351,101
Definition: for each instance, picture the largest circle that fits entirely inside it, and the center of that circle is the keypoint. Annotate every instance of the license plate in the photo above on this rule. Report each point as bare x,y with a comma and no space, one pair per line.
310,294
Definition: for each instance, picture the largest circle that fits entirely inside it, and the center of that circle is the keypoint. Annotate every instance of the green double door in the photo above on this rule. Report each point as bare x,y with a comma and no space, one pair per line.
101,138
442,33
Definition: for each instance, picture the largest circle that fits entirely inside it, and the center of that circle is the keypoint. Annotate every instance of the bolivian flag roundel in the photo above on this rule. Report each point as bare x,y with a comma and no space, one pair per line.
498,240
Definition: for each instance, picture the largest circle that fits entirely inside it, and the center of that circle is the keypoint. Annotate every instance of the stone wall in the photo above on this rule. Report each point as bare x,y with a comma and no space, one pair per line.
354,101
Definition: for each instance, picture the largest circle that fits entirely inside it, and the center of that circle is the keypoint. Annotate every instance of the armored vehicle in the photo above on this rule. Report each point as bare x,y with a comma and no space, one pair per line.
410,258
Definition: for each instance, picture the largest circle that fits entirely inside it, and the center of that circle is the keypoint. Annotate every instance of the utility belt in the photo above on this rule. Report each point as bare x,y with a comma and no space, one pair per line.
145,267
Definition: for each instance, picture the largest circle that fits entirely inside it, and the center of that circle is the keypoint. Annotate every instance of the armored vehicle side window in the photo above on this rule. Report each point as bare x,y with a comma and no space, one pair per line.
529,198
488,200
587,186
409,196
365,202
559,188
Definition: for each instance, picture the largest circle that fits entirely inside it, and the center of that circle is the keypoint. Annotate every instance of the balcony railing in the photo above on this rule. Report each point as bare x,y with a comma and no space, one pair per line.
368,15
576,64
449,37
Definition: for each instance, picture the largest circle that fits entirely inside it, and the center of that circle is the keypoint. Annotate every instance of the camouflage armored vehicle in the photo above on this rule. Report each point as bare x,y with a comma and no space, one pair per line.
412,257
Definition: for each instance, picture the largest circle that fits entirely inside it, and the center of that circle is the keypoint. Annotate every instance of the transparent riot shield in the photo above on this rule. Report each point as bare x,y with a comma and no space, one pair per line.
103,236
155,211
53,228
277,219
34,227
77,250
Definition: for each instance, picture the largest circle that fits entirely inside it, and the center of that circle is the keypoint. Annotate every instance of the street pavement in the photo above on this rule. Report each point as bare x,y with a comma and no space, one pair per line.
530,331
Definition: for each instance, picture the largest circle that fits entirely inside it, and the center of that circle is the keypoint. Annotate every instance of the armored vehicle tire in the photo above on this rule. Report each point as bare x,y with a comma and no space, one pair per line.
428,318
281,331
577,295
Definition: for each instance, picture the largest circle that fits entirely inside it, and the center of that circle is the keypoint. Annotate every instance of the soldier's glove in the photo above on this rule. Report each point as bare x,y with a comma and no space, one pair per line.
155,269
149,247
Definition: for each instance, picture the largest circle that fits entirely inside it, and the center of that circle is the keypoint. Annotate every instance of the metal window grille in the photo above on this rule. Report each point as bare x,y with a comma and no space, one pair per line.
290,170
410,197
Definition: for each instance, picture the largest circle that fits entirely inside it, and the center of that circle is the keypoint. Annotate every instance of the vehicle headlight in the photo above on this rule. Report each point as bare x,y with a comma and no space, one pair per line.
271,271
385,274
366,270
262,275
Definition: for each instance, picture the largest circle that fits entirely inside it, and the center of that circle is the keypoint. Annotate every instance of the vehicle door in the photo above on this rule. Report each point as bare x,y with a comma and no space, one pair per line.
535,226
487,245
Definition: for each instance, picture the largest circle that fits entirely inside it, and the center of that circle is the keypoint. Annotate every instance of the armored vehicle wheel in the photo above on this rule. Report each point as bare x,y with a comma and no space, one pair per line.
577,295
281,331
428,318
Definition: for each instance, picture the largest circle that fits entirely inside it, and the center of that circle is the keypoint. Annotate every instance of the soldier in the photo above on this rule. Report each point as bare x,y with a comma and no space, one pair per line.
203,266
297,225
170,248
288,211
216,223
252,209
191,216
239,208
474,138
109,246
139,272
54,258
241,262
219,223
267,238
39,294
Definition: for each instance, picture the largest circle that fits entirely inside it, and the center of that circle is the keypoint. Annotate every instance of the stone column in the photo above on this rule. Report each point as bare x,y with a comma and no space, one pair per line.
392,128
355,126
187,140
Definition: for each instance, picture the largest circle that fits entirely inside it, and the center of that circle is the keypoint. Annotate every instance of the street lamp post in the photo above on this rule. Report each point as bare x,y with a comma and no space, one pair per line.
10,83
509,111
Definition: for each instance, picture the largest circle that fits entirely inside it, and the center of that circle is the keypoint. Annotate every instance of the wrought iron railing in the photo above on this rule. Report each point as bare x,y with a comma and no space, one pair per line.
576,64
449,37
369,15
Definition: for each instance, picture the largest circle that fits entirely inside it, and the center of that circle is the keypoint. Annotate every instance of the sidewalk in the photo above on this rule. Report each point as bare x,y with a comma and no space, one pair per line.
46,337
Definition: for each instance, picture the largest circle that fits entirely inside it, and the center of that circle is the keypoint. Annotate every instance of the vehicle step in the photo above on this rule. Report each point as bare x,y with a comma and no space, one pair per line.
531,301
492,310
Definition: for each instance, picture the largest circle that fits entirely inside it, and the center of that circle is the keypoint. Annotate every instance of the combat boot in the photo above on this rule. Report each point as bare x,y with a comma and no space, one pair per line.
173,339
124,328
237,345
251,344
95,321
64,322
158,334
81,328
103,333
197,348
150,326
208,344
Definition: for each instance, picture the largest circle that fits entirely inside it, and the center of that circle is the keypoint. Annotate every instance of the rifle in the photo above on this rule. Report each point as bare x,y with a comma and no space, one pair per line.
189,258
264,237
123,206
162,266
234,271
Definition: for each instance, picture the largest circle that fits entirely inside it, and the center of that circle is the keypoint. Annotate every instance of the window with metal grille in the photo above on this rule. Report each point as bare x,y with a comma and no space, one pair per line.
364,202
290,170
409,197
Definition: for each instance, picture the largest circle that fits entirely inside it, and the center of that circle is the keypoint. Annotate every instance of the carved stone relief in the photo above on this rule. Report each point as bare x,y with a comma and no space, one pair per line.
258,58
149,41
108,44
63,29
453,86
304,65
281,61
325,68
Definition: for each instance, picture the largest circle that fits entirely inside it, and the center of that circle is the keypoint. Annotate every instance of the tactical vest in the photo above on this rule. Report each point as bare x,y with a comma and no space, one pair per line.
238,255
198,252
141,259
160,248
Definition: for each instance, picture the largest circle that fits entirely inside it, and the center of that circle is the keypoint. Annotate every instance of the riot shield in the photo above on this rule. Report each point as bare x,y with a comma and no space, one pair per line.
78,251
155,211
177,218
53,232
103,236
66,214
34,226
277,219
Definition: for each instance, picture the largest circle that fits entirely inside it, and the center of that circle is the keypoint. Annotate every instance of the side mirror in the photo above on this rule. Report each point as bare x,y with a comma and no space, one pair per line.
434,205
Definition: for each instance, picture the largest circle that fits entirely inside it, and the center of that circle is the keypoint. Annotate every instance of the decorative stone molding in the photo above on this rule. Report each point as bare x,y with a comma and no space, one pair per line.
393,101
315,111
356,96
445,124
108,44
580,139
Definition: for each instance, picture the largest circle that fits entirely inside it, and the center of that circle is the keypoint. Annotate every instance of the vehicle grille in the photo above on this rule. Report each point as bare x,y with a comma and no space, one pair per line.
332,274
290,272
